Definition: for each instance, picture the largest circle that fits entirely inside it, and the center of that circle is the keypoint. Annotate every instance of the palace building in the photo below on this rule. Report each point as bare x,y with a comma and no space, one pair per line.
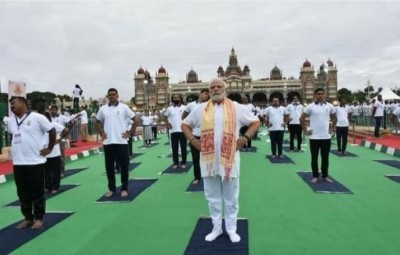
155,93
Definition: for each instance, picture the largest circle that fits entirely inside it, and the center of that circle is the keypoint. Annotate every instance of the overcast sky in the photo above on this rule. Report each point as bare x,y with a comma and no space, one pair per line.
54,45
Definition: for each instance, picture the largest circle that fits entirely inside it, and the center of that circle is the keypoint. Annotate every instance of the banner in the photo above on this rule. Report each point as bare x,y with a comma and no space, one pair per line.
15,89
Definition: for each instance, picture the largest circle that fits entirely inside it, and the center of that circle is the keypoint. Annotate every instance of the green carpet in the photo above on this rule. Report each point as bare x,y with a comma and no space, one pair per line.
285,215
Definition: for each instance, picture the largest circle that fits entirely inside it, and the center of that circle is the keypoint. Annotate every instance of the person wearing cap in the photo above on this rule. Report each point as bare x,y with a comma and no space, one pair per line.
28,152
204,96
320,113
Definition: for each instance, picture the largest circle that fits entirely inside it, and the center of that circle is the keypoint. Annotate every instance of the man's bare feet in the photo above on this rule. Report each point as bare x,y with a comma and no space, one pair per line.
24,224
314,180
124,193
175,166
195,182
327,179
109,194
183,166
37,224
54,191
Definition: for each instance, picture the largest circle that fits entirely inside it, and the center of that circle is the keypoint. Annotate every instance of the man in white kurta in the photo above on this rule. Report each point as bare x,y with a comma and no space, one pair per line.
221,191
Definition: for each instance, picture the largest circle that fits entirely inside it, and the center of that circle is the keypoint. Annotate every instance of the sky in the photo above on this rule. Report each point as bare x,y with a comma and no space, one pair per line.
54,45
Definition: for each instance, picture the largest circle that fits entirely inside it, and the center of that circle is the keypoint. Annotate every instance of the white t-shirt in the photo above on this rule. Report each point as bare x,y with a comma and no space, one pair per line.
77,92
276,117
250,107
146,120
84,118
195,118
56,149
319,115
174,115
154,120
379,109
190,108
342,114
114,119
295,111
396,112
355,110
5,123
28,138
60,119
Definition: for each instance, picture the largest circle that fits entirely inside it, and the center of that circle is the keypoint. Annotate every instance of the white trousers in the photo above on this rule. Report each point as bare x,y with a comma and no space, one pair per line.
222,195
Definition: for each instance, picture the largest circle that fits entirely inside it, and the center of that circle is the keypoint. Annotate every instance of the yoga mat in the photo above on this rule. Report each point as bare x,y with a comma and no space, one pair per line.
284,160
220,246
135,155
347,154
324,187
131,167
151,145
165,156
395,178
167,143
11,238
72,171
178,170
196,187
135,188
47,195
252,149
392,163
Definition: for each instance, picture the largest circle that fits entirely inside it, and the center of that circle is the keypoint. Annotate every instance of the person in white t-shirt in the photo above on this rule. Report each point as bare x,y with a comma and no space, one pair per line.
76,94
276,118
174,122
252,110
220,157
28,152
154,124
147,132
203,97
295,110
115,137
84,123
6,133
378,114
320,113
53,160
342,126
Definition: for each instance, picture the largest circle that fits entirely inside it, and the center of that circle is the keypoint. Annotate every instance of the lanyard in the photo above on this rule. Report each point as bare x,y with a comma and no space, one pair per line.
22,121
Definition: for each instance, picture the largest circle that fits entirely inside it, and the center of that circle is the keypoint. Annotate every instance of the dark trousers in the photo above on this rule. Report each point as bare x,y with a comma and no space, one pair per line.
154,129
316,146
378,121
62,157
29,180
242,131
295,131
341,137
76,102
178,138
117,153
196,161
52,173
130,150
276,141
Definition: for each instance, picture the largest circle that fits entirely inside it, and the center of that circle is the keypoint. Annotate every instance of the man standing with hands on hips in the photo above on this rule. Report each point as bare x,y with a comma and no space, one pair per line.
320,113
219,120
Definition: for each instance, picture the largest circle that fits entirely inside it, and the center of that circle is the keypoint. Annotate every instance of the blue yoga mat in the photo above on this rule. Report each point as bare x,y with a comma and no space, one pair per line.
11,238
69,172
395,178
252,149
220,246
392,163
347,154
135,188
178,170
284,160
151,145
47,195
135,155
324,187
196,187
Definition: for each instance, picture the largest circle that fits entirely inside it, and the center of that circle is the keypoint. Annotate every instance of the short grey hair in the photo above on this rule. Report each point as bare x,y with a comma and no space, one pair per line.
218,80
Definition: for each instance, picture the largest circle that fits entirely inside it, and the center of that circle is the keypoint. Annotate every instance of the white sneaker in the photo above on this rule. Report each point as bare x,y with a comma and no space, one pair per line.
235,238
213,235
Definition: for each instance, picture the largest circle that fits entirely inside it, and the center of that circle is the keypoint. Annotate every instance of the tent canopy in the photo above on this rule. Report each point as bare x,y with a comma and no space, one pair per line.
388,94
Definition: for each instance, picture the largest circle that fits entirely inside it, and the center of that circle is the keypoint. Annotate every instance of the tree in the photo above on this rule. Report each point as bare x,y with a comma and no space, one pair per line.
346,94
369,89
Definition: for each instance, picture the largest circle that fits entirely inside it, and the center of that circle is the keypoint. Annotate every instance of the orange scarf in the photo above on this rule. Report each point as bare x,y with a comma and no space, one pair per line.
228,139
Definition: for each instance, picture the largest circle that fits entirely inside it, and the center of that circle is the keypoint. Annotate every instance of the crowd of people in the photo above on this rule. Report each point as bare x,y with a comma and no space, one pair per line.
215,127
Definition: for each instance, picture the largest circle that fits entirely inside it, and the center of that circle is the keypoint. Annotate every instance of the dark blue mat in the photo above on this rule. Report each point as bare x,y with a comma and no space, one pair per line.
252,149
287,149
284,160
135,155
167,143
47,195
72,171
392,163
151,145
11,238
165,156
323,186
395,178
135,187
220,246
131,167
347,154
196,187
178,170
